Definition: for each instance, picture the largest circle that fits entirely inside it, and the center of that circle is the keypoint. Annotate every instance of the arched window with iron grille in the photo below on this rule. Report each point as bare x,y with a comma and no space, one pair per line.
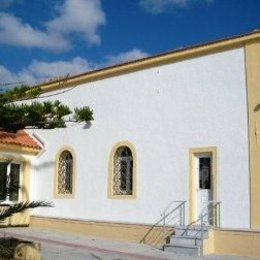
123,171
65,173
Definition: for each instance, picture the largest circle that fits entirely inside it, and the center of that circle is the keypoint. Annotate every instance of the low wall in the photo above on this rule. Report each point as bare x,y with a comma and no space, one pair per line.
237,242
221,241
117,231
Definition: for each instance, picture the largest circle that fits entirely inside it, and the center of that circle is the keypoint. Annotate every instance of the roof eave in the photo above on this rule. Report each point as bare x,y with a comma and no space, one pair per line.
164,58
19,149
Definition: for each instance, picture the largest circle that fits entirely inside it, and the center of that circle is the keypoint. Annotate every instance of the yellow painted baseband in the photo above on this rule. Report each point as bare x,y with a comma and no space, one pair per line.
220,241
232,242
116,231
237,242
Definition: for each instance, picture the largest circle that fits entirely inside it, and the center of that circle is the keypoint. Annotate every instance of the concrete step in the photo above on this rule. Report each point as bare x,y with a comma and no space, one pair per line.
194,231
184,250
185,240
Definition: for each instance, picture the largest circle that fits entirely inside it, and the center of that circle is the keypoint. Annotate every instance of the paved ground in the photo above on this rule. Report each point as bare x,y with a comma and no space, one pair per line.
58,245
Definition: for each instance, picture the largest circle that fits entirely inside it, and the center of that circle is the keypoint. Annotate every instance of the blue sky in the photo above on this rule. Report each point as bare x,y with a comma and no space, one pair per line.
44,39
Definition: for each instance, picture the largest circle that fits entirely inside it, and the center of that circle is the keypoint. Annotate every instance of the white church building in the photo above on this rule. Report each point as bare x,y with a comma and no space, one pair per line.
174,135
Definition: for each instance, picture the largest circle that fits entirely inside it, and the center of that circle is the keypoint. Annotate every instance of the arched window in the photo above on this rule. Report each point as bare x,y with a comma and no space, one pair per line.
65,173
123,171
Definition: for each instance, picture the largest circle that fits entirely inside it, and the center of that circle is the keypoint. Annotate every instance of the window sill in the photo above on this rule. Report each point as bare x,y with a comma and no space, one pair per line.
64,196
127,197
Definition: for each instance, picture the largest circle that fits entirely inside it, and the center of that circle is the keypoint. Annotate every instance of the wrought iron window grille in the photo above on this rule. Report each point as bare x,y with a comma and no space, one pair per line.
65,173
123,172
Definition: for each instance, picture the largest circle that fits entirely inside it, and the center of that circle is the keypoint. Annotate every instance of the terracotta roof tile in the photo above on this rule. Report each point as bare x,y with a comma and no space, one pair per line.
21,138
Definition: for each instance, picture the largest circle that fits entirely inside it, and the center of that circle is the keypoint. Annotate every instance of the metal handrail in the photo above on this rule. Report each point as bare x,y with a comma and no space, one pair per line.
165,215
182,212
202,215
170,204
162,221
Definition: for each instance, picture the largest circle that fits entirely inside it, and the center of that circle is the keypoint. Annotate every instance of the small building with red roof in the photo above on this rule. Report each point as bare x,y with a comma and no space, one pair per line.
21,141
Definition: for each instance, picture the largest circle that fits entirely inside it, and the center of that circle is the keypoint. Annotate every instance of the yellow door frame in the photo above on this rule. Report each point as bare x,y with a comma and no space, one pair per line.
193,153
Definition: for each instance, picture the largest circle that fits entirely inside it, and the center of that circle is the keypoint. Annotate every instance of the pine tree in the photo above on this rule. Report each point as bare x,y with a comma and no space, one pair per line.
16,115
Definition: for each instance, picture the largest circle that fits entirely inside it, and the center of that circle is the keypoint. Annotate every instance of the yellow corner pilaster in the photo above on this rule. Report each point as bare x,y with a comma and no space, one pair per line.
252,62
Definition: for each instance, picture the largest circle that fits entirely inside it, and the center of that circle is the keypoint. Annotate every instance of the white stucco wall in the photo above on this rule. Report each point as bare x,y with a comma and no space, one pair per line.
163,111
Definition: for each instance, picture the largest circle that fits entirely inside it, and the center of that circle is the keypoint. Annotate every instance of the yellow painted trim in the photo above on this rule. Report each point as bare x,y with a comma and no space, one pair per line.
252,63
56,194
174,56
26,181
116,231
19,149
192,178
111,171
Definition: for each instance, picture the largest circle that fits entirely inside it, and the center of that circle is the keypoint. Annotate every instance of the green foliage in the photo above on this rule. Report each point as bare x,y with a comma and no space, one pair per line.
83,114
19,93
33,114
20,207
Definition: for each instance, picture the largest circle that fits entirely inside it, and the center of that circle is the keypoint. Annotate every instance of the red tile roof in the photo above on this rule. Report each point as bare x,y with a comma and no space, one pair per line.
21,138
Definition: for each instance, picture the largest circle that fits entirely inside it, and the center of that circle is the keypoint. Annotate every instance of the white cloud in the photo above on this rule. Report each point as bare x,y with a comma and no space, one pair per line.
14,32
83,17
80,16
160,6
39,71
59,68
124,57
5,75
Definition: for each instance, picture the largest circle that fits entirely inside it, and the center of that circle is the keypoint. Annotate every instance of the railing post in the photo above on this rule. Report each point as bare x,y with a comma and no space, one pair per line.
183,215
215,215
160,226
202,234
218,215
180,215
164,226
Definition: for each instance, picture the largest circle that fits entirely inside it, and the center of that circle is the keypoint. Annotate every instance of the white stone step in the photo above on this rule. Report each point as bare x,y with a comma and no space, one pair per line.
194,231
185,240
185,250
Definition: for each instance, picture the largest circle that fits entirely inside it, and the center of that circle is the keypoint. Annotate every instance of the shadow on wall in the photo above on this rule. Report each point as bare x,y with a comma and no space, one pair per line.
45,165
